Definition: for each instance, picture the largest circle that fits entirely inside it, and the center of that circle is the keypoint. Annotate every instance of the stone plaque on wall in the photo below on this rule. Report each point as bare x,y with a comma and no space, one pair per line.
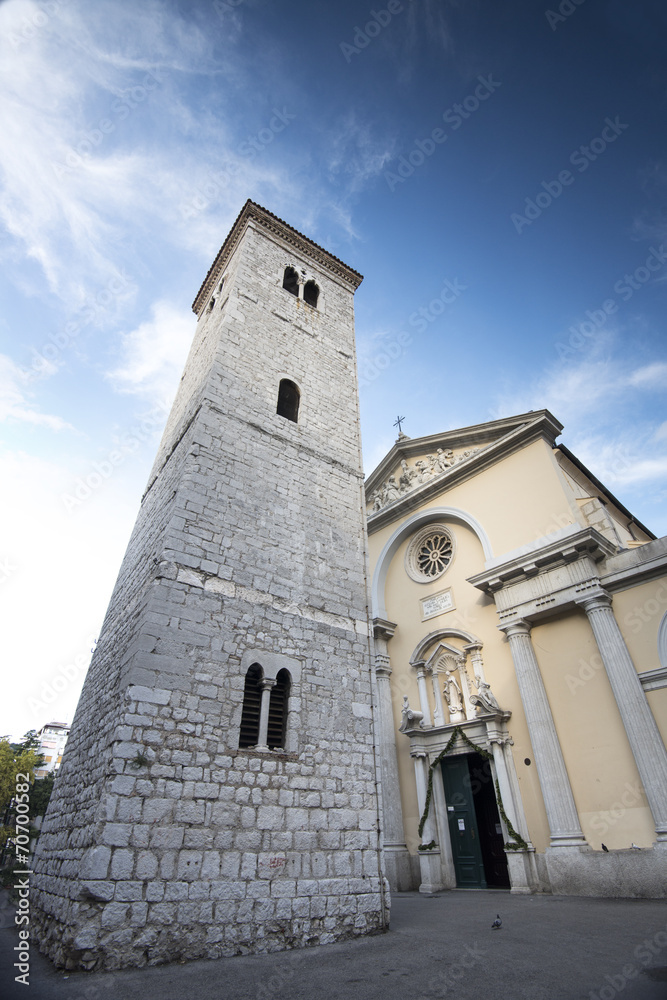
437,604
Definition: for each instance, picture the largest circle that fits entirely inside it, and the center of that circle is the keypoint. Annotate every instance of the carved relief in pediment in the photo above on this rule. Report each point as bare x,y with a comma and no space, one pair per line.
408,477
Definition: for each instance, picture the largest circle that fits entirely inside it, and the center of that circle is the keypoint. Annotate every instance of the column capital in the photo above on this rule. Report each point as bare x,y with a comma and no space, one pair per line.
473,647
419,666
267,683
383,629
520,626
382,665
599,600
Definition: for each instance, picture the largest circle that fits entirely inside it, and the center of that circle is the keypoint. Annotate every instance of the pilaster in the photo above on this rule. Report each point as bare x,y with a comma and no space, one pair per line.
397,857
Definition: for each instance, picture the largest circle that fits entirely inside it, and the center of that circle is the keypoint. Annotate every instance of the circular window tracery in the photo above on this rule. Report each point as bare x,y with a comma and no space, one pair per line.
429,554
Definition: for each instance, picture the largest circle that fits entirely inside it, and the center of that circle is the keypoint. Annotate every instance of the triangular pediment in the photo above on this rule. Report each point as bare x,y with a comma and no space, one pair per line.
415,467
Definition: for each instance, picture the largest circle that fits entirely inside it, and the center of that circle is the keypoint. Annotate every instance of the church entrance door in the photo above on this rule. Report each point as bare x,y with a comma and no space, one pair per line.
474,824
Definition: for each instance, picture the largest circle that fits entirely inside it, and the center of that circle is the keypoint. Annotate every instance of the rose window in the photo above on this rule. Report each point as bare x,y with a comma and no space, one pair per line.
429,554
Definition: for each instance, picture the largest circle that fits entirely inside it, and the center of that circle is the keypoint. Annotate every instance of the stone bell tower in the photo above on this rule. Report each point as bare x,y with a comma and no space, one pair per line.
218,791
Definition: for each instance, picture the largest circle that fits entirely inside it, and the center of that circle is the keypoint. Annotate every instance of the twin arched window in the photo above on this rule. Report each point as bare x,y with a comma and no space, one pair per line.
311,292
291,281
265,705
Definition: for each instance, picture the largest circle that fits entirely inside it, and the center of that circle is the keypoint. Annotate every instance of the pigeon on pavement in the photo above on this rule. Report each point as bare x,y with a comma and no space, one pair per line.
497,923
605,848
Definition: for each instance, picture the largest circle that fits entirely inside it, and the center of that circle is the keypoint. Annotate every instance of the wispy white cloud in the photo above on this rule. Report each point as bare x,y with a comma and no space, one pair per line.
653,376
153,355
15,400
356,152
98,139
599,404
573,392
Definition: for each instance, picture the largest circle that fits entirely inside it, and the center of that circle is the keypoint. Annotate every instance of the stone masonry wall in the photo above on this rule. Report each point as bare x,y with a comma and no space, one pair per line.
250,544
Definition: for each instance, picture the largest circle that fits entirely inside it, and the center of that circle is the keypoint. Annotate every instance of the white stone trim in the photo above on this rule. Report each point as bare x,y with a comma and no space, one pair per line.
653,680
422,518
662,642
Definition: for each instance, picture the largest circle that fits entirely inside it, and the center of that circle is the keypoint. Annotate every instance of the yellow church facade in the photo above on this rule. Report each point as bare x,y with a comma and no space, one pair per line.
520,622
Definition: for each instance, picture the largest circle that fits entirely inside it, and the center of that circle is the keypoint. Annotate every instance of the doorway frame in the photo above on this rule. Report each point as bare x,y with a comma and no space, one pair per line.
487,732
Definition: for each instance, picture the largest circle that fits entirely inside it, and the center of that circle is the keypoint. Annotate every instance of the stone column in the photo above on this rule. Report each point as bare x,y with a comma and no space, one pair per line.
561,811
642,731
520,864
424,706
397,857
266,684
465,687
474,649
429,861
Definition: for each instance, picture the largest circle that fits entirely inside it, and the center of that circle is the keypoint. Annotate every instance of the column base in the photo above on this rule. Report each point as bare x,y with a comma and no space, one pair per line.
522,871
431,875
569,840
630,874
402,868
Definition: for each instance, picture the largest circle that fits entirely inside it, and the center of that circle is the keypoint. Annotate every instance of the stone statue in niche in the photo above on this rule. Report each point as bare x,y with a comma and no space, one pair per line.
453,698
410,719
485,700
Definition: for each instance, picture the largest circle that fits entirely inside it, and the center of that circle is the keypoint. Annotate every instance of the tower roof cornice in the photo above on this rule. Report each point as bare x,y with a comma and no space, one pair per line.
251,212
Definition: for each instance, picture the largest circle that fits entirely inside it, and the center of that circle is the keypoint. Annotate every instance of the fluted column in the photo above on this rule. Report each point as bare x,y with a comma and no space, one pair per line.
474,650
465,687
429,861
559,803
266,684
520,864
424,706
642,731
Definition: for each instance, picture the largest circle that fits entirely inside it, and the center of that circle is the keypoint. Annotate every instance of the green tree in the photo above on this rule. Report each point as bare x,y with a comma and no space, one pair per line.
15,758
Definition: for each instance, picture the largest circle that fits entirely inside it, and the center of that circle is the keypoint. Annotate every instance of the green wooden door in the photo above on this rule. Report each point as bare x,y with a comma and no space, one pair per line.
463,831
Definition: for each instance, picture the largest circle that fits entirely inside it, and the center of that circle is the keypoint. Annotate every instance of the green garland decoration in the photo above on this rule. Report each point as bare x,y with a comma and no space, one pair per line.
519,844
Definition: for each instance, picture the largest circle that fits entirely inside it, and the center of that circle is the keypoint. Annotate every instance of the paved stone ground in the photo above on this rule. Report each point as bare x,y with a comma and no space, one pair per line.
549,948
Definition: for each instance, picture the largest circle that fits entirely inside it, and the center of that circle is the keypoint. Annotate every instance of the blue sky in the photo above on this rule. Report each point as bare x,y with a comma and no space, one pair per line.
498,172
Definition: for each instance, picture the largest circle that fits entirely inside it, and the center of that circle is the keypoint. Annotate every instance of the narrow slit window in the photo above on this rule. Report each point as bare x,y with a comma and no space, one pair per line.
291,281
252,700
311,293
288,400
277,729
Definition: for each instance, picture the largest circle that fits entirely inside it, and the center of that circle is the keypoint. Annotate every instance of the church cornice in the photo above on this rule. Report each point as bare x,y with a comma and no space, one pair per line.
251,212
577,545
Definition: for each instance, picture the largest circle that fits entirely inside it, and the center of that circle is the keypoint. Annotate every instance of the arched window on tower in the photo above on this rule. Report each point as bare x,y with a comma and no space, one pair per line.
277,728
291,281
252,700
311,293
288,400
